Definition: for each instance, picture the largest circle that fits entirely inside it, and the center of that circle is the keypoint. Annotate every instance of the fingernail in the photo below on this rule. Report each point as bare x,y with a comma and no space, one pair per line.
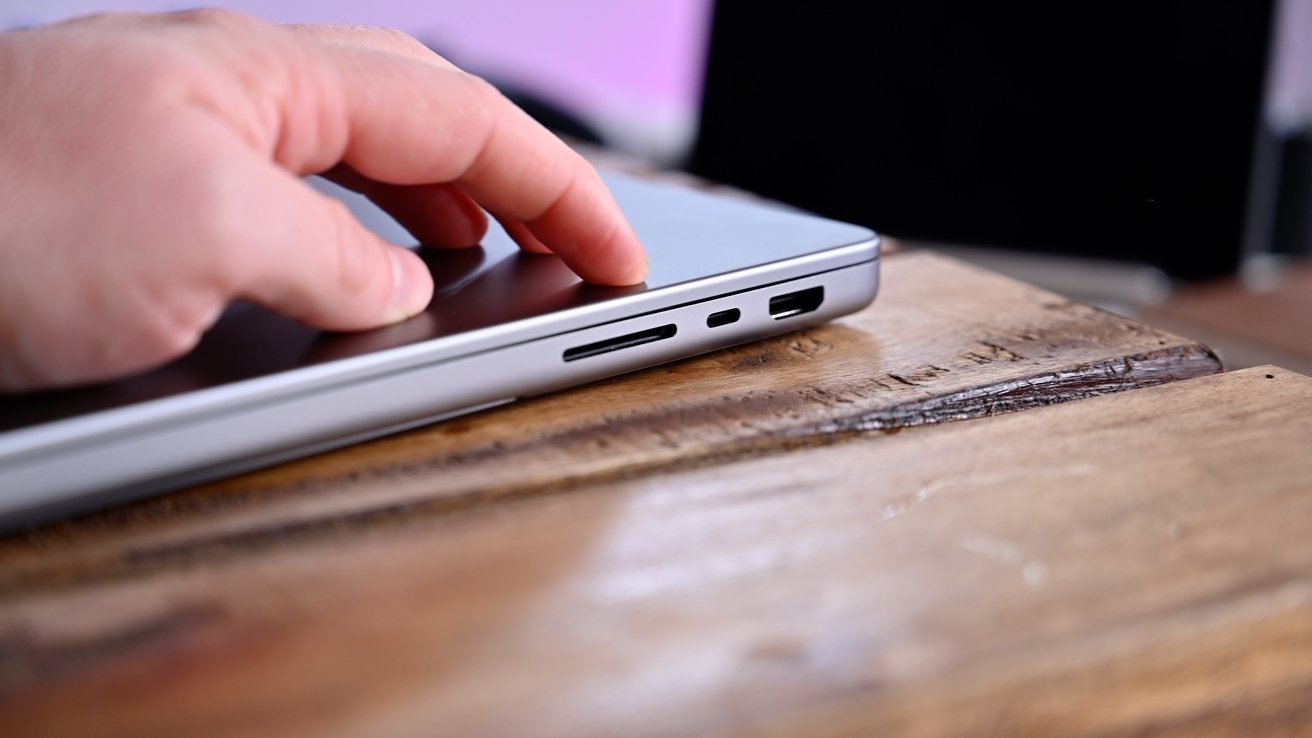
411,283
636,275
638,272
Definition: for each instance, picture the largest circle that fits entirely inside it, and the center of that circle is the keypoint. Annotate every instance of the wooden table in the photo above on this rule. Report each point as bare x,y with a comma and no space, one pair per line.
973,509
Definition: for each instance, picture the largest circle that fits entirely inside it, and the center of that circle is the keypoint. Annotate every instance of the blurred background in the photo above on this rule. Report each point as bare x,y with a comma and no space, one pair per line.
632,69
1149,157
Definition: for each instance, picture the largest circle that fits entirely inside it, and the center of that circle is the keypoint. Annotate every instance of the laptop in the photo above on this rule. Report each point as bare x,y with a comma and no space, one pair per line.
260,389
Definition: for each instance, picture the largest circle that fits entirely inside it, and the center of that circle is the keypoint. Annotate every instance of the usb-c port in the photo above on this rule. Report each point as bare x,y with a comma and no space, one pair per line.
796,303
724,317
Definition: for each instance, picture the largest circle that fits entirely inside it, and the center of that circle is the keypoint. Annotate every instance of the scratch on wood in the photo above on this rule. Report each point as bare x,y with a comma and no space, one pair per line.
695,450
999,351
924,376
987,352
1049,388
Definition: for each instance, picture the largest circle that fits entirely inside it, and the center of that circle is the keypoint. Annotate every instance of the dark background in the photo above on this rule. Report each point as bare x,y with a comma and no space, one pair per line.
1117,130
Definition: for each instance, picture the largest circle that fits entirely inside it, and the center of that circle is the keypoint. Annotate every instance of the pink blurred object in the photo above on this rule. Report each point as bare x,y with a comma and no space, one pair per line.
631,70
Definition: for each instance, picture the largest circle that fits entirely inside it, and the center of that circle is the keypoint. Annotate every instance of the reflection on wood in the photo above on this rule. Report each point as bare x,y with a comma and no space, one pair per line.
779,539
1133,564
942,342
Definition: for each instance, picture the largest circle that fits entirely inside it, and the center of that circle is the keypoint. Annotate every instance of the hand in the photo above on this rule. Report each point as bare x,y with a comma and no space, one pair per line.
150,173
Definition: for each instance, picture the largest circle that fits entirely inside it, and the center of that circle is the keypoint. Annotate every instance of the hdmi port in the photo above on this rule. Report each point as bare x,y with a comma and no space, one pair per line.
621,342
796,303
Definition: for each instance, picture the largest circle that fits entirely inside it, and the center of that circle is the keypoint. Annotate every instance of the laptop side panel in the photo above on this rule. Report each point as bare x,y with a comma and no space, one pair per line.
146,454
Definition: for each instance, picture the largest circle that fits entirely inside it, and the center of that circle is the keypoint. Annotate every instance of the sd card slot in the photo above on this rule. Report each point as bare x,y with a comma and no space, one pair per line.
629,340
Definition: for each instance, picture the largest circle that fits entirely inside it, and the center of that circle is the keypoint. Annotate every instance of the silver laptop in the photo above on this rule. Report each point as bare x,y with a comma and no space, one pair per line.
260,389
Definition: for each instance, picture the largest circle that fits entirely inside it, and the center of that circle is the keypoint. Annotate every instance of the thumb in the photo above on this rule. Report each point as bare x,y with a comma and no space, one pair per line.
307,257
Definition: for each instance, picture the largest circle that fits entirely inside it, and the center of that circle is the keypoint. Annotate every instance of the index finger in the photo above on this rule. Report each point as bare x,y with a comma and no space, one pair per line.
402,121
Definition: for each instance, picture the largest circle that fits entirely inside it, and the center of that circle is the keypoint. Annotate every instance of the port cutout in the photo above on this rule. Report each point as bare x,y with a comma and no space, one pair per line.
796,303
618,343
724,317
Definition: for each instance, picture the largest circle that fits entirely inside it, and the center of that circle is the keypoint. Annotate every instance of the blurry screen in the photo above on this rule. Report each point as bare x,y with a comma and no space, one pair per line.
631,70
1117,130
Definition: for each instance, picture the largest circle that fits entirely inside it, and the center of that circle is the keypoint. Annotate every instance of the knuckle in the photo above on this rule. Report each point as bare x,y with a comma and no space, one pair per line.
396,39
382,38
483,90
217,17
97,18
483,102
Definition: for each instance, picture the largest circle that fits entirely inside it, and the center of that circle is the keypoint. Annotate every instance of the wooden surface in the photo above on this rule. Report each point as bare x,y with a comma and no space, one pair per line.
943,341
746,543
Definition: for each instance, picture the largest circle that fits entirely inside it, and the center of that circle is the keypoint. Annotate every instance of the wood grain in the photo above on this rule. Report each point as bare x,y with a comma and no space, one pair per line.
1137,564
942,342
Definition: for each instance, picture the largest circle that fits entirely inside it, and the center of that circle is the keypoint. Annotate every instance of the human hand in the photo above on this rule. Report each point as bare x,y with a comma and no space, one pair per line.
150,173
